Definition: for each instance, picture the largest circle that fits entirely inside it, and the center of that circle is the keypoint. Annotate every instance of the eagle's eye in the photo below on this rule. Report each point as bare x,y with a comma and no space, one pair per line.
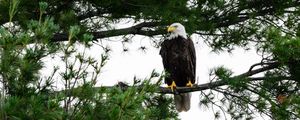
176,26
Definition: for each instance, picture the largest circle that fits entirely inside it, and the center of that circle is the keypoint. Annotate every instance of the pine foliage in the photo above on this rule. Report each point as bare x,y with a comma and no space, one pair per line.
32,33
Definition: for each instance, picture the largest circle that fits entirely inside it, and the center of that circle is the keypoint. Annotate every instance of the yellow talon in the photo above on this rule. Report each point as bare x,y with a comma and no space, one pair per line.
189,84
172,86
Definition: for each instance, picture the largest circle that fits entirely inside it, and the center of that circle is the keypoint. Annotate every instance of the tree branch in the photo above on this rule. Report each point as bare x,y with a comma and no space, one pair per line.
220,21
136,29
200,87
219,83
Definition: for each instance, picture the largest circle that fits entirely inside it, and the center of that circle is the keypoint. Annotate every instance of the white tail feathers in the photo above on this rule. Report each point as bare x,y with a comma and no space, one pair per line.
183,101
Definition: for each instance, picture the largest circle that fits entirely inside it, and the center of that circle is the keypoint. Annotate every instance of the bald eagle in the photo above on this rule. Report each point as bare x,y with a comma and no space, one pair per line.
179,60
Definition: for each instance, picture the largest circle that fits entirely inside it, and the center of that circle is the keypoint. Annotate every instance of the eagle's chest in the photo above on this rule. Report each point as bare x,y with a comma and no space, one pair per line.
178,50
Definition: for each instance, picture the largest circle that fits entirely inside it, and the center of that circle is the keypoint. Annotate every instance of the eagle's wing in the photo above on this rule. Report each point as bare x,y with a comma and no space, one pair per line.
192,63
164,54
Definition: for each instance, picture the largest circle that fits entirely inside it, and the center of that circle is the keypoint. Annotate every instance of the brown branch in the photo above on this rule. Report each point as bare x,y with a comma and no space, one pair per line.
258,64
199,87
218,83
136,30
266,78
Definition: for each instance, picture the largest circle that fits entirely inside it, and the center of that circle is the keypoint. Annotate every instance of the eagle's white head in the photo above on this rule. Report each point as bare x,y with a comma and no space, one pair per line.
176,29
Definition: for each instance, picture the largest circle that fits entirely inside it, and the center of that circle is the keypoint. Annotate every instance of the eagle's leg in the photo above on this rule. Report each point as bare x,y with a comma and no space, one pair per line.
189,84
172,86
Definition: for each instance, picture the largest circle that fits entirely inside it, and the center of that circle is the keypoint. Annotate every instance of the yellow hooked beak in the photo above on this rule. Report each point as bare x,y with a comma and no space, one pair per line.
171,29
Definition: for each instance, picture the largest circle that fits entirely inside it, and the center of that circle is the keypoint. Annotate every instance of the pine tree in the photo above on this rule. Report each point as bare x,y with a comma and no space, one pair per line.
31,32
